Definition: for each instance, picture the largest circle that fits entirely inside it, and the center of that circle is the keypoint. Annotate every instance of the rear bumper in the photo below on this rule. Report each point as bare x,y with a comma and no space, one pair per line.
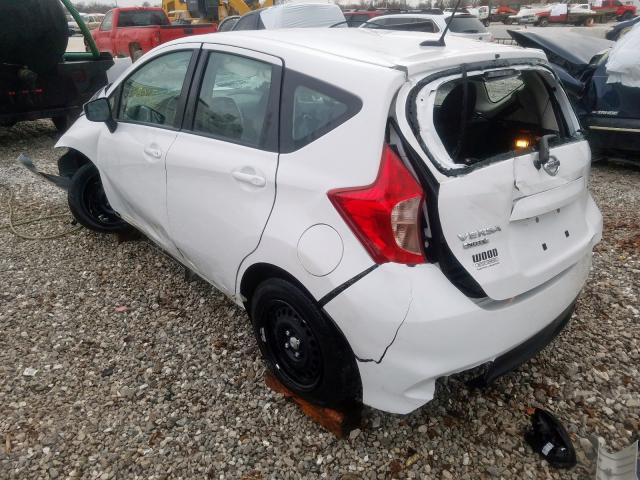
511,360
432,330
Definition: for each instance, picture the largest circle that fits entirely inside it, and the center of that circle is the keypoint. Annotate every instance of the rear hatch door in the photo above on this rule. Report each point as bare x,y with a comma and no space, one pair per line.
512,224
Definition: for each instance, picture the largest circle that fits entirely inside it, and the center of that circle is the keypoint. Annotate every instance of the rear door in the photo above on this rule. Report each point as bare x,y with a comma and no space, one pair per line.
511,223
221,170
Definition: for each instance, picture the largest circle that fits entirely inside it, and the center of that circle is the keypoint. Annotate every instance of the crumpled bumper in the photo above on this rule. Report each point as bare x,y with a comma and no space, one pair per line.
438,330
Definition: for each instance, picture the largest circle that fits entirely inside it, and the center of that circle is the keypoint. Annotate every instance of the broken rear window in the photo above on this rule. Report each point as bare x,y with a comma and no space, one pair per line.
494,114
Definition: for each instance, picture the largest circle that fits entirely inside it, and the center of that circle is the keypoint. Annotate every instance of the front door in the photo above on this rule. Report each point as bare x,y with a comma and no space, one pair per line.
148,110
221,170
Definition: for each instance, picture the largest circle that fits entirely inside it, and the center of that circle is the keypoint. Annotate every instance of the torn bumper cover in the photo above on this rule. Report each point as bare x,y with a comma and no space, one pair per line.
58,181
443,332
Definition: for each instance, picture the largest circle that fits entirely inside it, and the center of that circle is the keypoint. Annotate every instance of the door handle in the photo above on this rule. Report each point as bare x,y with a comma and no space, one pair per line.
153,152
250,178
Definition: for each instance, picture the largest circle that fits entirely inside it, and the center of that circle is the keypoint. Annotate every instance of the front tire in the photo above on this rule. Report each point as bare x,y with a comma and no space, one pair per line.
543,22
302,347
89,205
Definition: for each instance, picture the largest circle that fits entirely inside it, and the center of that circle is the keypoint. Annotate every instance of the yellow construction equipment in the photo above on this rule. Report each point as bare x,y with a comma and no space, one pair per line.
180,9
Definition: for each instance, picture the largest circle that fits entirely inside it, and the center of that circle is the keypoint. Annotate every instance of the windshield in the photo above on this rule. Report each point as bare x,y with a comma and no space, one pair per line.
466,24
142,19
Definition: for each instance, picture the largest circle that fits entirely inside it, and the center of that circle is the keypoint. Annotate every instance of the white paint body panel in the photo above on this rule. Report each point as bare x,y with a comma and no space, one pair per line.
445,332
216,220
132,167
320,250
406,325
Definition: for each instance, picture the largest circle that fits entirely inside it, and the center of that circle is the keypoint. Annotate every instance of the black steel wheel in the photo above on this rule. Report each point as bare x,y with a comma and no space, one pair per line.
293,345
89,204
302,347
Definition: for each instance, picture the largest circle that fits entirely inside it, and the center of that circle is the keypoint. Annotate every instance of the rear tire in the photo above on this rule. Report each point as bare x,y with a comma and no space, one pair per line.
302,347
89,205
588,22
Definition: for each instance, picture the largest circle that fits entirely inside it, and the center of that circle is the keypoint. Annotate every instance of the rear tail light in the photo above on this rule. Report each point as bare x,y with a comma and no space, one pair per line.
385,216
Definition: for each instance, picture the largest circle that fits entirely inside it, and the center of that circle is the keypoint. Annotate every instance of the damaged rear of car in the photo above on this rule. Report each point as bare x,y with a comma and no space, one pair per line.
507,225
603,83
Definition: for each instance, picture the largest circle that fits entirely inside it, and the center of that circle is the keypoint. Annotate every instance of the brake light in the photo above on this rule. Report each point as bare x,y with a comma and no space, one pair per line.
385,216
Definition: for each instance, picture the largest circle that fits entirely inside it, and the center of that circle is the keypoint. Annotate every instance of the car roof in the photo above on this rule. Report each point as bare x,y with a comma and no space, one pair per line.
429,16
411,15
426,16
385,48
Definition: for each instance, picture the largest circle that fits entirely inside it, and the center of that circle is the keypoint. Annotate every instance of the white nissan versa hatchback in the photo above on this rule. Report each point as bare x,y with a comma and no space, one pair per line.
387,212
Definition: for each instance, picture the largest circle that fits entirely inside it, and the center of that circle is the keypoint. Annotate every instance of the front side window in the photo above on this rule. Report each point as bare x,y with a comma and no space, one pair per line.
233,103
107,23
152,93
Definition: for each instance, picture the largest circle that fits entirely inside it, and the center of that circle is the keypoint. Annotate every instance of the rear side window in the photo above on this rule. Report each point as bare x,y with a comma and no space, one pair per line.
414,24
356,19
311,109
250,21
142,18
227,24
465,24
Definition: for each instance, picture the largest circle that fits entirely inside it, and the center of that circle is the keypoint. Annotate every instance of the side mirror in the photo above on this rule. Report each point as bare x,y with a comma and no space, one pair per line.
99,110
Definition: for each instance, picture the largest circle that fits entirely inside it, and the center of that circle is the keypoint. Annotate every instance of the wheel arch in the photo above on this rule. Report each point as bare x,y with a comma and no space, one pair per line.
71,161
82,138
258,273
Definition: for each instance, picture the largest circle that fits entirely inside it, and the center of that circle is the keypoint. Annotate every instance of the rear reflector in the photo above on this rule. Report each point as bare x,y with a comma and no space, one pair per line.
385,216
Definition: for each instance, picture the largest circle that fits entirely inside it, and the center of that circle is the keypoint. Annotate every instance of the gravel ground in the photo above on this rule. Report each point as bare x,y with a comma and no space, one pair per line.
140,374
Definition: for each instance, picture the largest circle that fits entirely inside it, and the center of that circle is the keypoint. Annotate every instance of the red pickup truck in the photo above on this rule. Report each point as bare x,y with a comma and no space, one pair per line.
134,31
610,9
